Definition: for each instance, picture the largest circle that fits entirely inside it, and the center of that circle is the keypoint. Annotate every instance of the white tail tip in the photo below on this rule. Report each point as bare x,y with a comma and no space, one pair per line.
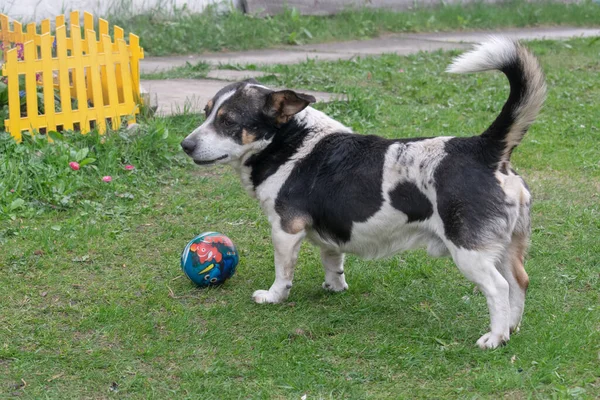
494,53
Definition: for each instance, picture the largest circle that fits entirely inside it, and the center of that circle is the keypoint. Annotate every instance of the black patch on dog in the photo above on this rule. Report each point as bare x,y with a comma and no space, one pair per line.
468,194
407,198
337,184
286,141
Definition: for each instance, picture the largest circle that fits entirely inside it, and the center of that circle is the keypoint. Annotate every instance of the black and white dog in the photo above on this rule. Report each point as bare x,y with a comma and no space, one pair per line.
350,193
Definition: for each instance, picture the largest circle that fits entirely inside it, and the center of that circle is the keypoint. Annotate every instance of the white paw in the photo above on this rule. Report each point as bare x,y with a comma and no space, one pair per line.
492,340
265,296
335,286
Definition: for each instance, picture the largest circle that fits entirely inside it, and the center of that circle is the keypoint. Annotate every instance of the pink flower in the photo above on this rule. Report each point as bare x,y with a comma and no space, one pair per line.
129,167
107,178
74,166
400,70
20,51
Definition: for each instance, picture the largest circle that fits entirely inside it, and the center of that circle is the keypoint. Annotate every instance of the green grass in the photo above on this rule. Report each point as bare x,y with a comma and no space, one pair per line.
181,32
94,304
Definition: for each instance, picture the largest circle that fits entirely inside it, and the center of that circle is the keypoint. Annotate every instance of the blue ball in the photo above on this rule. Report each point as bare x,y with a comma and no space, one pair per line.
209,259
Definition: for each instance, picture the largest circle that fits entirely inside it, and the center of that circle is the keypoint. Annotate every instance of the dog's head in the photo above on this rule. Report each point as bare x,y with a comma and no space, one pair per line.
241,118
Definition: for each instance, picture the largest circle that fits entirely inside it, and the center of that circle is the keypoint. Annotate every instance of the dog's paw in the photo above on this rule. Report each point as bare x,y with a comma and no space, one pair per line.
492,340
265,296
335,286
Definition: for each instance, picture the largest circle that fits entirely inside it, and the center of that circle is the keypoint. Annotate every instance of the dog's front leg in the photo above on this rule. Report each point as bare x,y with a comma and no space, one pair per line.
287,247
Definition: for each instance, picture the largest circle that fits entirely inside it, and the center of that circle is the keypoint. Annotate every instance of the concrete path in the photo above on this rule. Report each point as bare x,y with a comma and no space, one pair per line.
179,94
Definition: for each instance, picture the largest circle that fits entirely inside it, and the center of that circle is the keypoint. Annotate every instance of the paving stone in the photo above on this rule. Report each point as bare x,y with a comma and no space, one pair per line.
556,33
254,57
389,44
235,75
176,96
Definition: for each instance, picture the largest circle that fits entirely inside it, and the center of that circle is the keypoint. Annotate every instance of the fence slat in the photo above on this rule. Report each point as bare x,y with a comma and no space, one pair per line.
94,72
30,84
102,28
45,26
14,101
102,31
48,82
119,33
113,97
88,25
30,32
82,97
129,105
17,29
4,27
136,53
63,78
74,21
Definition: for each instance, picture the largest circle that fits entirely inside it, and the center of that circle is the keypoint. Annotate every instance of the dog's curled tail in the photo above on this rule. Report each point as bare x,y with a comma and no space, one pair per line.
527,87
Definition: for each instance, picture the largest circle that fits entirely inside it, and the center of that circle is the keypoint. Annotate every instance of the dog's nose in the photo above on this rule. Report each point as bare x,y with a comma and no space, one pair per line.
188,145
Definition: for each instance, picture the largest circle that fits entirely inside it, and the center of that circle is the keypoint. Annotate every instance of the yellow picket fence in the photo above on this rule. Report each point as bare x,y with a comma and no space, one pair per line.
94,78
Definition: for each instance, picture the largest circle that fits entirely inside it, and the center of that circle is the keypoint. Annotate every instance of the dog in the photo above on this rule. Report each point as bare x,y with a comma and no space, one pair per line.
374,197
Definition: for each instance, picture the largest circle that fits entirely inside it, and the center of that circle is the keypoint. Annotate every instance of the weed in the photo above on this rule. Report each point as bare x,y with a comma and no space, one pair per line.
37,174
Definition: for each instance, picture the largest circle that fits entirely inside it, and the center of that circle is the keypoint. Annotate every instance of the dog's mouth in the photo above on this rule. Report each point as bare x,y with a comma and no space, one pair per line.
207,162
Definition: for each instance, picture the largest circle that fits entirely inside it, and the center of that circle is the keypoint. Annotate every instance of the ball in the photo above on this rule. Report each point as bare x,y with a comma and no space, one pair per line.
209,259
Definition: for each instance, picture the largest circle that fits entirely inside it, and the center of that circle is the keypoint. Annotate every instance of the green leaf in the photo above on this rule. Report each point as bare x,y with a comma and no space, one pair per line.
3,94
56,227
40,97
295,14
16,204
87,161
56,136
81,154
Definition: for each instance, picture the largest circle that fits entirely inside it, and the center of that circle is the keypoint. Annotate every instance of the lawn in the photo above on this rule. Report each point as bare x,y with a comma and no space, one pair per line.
165,31
94,304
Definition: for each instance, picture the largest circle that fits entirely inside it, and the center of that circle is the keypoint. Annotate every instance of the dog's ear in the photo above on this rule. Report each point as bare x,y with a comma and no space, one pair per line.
252,81
283,105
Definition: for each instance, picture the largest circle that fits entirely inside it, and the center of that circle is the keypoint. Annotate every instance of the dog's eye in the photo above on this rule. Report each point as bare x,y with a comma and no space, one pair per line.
228,122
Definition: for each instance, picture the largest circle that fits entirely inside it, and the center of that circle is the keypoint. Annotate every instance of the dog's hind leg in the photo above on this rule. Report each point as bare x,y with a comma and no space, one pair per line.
333,263
287,247
479,267
513,270
511,265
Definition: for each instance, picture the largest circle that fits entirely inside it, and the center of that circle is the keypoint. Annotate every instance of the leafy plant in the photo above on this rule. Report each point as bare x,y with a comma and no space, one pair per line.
38,174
